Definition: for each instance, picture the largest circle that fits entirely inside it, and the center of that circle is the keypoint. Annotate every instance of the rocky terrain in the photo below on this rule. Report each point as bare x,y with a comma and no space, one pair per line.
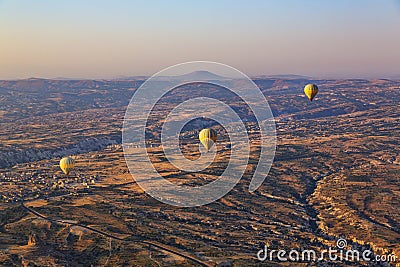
335,175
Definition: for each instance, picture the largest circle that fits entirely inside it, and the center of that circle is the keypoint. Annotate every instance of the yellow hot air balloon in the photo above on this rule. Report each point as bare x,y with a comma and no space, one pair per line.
311,90
67,164
208,137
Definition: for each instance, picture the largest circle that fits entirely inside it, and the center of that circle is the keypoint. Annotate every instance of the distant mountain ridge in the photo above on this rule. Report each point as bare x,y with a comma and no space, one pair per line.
195,75
285,76
202,74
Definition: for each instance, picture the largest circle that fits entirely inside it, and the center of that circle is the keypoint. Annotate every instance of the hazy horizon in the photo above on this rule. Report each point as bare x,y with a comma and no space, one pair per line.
111,39
266,76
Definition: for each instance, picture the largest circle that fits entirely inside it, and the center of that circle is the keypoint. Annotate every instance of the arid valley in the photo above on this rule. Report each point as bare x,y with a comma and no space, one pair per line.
335,175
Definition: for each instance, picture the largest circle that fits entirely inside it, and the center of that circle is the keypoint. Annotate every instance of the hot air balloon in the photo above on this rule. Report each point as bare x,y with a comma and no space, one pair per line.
311,90
67,164
207,137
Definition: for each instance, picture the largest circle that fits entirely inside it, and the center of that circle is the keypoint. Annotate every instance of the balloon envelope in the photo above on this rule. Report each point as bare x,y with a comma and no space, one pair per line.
67,164
207,137
311,90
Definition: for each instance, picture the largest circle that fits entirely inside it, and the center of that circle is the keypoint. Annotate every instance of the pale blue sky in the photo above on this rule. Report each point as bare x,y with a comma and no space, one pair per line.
104,39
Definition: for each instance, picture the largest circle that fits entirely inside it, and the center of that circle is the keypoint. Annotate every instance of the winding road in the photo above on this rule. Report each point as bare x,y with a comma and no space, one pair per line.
147,242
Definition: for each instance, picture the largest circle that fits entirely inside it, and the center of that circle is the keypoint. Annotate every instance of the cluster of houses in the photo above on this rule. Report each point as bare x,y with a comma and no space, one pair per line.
28,185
